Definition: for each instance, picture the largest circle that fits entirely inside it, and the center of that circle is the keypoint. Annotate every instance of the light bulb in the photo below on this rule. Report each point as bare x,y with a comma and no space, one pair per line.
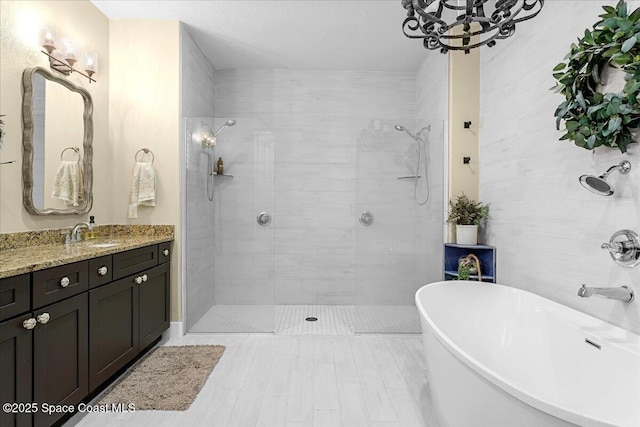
90,63
48,39
68,52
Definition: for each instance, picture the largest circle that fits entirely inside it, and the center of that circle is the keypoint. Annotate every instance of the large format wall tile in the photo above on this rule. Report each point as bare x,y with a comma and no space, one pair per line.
547,228
336,152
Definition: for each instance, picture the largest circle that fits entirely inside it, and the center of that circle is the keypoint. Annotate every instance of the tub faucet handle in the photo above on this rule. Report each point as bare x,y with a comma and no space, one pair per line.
613,247
624,248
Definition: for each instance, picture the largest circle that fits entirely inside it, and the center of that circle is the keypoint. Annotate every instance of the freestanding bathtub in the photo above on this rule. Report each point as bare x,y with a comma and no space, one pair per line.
502,357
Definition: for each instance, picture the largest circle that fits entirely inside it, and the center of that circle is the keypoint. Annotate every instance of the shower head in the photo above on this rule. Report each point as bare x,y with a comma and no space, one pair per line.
228,123
401,128
599,184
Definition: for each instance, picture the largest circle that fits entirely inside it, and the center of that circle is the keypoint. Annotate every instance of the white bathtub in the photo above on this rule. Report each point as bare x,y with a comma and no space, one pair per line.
498,356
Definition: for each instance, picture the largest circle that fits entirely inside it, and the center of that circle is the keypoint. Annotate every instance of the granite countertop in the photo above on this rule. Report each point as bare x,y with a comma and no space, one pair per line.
32,258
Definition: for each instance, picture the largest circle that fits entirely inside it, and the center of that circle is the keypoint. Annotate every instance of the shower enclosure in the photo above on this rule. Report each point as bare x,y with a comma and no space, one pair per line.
320,214
347,246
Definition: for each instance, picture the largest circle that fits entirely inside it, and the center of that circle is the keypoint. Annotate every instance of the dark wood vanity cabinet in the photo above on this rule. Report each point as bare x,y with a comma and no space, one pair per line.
60,356
154,304
43,359
88,330
16,367
113,329
126,316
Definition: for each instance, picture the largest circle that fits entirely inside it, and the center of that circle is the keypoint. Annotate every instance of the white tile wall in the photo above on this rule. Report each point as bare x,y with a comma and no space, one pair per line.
197,101
547,228
319,120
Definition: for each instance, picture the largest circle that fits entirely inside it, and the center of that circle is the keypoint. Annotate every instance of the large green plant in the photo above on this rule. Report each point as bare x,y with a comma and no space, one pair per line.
593,118
465,211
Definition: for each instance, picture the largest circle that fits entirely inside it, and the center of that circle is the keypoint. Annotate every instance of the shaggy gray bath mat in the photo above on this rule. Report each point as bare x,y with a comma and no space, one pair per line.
167,379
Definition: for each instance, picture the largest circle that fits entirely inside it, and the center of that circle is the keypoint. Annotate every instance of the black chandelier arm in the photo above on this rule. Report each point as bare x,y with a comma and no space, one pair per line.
436,31
413,24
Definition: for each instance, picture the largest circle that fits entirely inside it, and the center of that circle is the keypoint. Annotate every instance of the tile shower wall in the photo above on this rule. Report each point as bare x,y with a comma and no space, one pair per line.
197,101
316,118
547,228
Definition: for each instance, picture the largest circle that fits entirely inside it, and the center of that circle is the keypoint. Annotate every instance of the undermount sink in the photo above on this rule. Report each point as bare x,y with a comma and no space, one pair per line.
103,245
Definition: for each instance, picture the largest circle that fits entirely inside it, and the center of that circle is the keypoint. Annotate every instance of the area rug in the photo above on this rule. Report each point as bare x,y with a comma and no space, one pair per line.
167,379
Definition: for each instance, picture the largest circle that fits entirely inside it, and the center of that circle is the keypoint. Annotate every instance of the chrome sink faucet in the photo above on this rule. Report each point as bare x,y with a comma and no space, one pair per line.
75,234
621,293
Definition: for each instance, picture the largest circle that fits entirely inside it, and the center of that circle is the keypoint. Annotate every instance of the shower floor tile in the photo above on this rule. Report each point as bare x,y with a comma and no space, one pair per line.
332,319
290,319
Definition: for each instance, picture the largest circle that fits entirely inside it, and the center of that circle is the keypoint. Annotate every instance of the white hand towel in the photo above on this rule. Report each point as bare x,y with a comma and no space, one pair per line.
68,185
143,187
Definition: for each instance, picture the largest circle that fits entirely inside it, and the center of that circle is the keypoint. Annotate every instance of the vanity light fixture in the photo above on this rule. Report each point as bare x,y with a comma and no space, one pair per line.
64,59
483,22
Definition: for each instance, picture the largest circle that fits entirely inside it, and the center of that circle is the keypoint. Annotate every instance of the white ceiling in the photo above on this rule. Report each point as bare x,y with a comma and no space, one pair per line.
295,34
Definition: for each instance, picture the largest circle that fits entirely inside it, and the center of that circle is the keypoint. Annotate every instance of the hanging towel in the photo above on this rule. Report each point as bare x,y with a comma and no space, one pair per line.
143,187
68,185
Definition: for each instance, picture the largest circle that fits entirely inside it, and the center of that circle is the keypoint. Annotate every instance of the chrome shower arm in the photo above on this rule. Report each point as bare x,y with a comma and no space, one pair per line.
624,167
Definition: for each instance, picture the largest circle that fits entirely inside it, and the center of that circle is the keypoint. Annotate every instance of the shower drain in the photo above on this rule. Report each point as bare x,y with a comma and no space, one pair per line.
311,319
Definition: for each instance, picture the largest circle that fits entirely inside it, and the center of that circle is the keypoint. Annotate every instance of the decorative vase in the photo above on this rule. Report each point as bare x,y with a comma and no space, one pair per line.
466,234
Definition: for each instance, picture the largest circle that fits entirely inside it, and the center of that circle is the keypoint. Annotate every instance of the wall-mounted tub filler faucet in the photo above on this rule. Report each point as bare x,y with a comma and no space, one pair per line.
598,184
75,233
621,293
624,248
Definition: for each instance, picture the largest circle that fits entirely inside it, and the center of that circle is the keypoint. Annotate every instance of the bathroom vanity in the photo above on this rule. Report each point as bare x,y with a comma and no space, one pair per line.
69,329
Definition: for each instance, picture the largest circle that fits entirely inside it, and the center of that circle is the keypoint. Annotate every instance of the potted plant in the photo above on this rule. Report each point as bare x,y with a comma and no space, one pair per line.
467,214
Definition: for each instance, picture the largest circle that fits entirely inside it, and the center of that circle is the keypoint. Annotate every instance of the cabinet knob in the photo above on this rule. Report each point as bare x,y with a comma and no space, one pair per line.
43,318
165,252
144,278
138,280
102,271
29,323
64,282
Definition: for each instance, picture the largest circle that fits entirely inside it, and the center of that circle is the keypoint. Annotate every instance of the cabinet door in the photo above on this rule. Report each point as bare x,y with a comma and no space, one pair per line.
154,304
15,369
60,356
113,329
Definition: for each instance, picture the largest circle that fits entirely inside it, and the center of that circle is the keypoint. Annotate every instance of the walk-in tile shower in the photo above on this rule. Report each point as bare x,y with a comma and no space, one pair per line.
320,212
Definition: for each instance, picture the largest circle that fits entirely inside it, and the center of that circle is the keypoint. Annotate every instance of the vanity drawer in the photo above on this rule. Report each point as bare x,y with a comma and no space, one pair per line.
15,296
100,271
134,261
57,283
164,252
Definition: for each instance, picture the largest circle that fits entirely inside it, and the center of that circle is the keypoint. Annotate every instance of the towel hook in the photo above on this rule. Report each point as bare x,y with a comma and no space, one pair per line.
146,151
76,149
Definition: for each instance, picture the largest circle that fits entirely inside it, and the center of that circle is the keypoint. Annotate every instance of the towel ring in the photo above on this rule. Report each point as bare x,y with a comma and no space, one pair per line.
76,149
146,151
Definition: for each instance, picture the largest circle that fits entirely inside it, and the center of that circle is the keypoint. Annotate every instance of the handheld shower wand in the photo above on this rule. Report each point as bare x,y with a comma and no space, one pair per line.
228,123
421,149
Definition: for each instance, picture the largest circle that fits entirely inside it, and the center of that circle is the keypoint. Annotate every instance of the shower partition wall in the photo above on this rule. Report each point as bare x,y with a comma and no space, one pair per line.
240,259
392,238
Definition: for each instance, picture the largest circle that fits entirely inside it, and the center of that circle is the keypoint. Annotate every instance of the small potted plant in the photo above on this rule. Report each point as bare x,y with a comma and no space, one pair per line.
467,214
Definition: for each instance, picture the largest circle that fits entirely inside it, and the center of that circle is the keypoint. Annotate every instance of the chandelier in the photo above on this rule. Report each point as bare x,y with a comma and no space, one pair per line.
465,24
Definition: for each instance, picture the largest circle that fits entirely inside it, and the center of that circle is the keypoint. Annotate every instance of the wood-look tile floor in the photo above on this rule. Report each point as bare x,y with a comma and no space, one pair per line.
300,381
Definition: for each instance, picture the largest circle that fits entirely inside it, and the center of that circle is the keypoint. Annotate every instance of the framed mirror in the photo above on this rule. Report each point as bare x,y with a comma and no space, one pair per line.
57,138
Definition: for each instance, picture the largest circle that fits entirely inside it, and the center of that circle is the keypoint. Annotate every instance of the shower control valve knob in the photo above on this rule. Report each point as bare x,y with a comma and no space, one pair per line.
624,248
366,218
